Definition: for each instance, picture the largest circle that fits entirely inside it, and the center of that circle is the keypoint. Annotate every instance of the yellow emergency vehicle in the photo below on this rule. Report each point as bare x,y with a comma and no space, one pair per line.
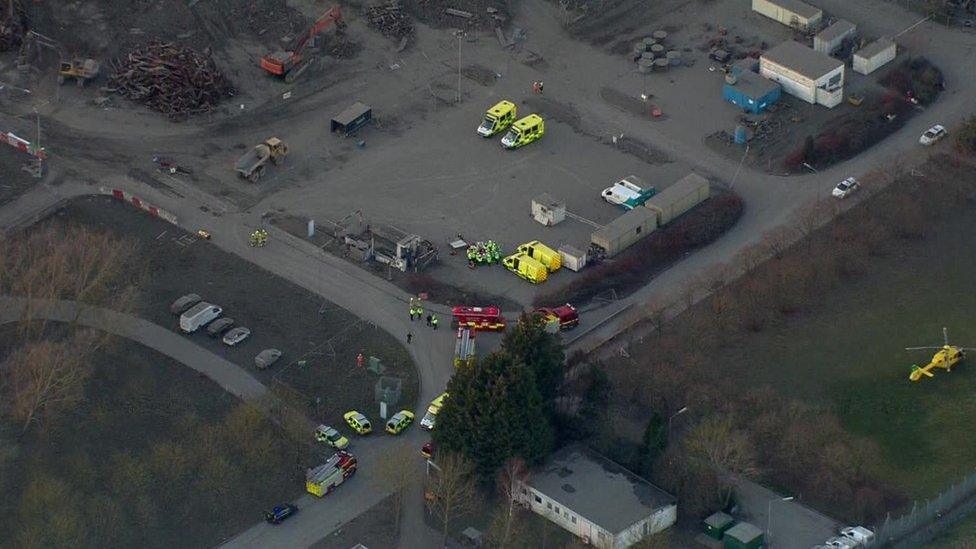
543,254
524,131
497,119
526,267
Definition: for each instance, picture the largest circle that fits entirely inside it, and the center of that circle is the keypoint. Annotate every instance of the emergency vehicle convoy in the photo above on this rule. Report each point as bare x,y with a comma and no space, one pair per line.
322,480
479,318
521,132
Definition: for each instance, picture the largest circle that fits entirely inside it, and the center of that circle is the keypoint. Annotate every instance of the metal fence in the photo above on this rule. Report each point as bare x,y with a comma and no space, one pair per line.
930,518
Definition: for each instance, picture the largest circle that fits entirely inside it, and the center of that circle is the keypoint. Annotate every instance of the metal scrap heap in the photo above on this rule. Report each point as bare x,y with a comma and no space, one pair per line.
389,19
174,80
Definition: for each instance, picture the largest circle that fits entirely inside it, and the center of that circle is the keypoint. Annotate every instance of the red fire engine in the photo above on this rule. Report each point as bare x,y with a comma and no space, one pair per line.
479,318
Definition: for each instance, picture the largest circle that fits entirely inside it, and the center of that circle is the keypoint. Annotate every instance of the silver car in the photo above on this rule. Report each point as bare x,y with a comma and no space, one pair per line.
267,358
236,335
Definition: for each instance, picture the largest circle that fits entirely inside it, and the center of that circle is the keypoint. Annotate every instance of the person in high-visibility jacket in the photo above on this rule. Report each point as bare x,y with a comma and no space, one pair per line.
433,321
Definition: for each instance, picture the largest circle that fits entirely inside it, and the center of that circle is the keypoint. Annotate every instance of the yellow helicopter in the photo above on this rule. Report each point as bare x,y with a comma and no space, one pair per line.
946,357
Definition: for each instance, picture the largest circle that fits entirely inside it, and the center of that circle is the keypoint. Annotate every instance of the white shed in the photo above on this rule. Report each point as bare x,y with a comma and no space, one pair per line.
596,499
547,210
809,75
792,13
871,57
831,38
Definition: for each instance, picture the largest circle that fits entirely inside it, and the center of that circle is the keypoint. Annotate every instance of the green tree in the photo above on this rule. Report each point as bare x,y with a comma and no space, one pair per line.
653,443
495,412
529,342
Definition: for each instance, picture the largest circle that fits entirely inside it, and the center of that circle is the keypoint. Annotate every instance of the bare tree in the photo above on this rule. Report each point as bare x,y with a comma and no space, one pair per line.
722,446
393,475
44,377
509,483
450,489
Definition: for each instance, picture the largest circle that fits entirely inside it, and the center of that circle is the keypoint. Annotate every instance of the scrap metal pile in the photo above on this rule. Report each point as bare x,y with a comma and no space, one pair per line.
11,31
484,253
389,19
174,80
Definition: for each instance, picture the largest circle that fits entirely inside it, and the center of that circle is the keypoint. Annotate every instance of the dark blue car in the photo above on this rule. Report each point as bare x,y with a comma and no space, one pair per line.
280,513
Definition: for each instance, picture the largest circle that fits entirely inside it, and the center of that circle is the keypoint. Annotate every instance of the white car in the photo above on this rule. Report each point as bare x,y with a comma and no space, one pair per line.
841,542
846,187
236,335
933,134
859,534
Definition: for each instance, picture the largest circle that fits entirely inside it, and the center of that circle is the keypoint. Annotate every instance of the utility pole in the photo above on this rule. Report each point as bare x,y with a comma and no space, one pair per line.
459,34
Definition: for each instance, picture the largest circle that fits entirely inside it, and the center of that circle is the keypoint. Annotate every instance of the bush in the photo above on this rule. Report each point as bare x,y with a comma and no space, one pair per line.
966,138
638,264
916,77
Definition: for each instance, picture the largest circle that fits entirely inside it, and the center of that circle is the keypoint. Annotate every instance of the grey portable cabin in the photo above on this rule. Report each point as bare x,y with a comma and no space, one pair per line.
624,231
351,119
686,193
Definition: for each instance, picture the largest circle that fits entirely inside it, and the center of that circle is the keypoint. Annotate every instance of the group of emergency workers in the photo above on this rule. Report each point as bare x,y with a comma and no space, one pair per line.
259,237
417,311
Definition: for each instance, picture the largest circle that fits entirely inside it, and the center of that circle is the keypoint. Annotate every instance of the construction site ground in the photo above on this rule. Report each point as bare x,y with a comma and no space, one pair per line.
420,166
280,315
124,466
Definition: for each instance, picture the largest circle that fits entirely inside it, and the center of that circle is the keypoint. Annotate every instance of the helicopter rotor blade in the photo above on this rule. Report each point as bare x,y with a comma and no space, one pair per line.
920,348
945,335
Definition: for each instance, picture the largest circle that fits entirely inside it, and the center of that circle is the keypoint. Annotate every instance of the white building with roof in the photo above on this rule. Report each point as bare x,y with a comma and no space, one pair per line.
832,38
874,55
792,13
809,75
596,499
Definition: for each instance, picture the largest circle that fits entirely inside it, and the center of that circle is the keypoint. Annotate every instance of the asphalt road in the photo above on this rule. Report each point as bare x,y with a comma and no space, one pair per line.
167,342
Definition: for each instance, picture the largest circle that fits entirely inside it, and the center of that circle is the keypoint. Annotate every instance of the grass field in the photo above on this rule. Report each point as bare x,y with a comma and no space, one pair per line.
154,455
848,354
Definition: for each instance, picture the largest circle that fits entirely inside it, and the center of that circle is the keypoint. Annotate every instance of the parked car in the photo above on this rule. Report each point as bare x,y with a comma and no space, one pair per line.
219,326
236,335
358,422
331,436
184,303
859,534
846,187
280,512
267,358
841,542
933,134
400,421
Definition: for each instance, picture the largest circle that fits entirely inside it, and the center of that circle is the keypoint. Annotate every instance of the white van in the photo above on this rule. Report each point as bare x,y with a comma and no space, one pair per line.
200,315
628,193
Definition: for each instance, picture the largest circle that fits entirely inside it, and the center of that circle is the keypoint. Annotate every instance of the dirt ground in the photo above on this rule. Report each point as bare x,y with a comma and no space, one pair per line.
374,528
120,467
320,341
420,166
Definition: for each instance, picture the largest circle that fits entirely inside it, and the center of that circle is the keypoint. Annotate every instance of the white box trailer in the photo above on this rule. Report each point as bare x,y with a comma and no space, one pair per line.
624,231
198,316
686,193
573,258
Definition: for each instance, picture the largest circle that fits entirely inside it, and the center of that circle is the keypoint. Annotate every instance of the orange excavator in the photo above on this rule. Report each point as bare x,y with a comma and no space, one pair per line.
290,64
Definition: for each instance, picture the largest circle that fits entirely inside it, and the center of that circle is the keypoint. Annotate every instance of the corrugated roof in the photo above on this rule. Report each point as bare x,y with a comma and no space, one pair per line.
598,489
802,9
841,27
874,48
799,58
753,85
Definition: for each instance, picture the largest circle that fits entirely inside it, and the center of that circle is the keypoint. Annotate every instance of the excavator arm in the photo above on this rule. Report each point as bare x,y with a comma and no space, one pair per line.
289,64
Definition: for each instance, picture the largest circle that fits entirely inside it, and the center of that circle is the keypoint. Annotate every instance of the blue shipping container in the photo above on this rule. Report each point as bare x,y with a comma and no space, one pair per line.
752,92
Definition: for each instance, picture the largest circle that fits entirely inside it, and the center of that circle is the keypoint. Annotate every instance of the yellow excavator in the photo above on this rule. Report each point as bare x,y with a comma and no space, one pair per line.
945,357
